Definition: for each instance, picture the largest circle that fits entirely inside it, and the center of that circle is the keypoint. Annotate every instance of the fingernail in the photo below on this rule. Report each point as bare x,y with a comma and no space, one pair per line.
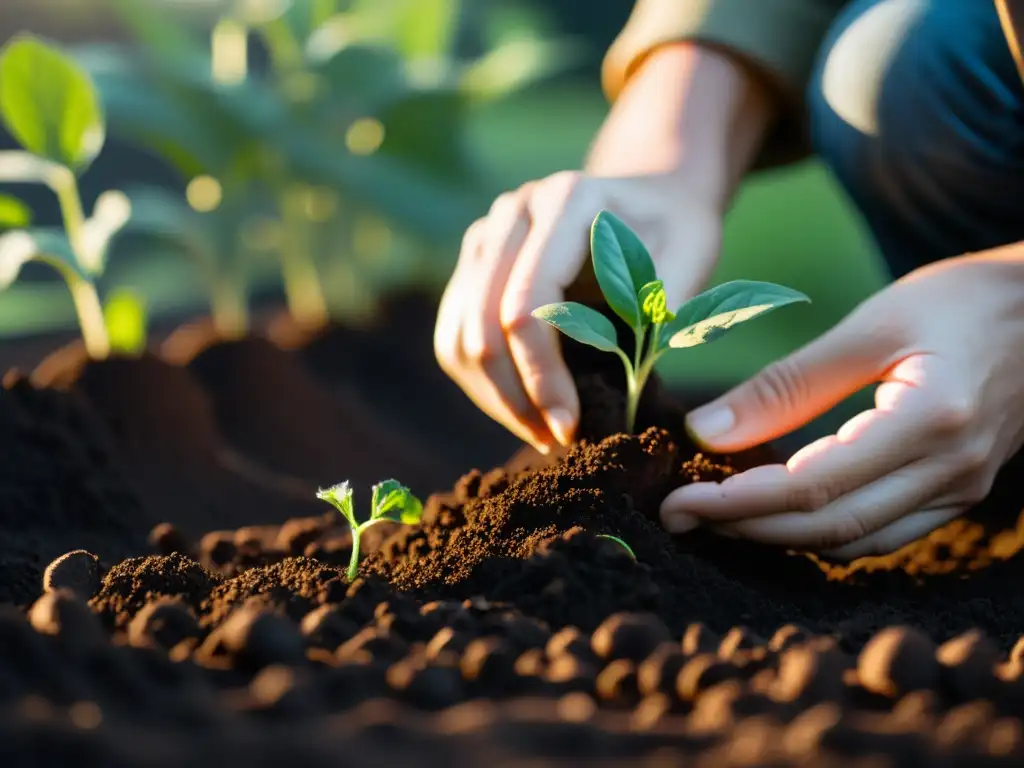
561,424
707,424
681,523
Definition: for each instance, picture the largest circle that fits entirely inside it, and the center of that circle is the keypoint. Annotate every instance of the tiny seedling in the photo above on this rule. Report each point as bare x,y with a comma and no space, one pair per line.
618,541
392,502
630,285
50,106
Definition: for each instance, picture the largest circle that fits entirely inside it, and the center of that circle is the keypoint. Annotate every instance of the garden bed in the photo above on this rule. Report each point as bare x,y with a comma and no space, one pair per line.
217,624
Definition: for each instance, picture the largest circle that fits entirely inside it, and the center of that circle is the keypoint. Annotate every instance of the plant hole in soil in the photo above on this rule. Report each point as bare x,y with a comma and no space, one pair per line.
202,607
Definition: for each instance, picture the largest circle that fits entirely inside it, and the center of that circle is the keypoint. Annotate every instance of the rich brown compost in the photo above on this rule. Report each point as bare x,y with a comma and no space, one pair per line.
500,631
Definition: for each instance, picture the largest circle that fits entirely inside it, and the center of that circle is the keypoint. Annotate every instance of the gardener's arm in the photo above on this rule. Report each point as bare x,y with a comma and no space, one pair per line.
777,40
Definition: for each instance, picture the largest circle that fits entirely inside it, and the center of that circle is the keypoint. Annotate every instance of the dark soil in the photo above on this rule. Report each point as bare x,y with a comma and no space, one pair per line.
501,631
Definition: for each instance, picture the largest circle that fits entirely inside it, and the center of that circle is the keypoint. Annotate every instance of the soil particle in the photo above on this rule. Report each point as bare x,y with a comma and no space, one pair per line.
77,571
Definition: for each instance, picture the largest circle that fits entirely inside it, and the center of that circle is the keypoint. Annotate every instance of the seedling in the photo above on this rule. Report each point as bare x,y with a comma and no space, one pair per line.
50,107
630,285
392,502
618,541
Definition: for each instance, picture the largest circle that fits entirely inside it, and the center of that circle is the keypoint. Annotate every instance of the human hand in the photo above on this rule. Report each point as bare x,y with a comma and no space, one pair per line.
526,252
945,342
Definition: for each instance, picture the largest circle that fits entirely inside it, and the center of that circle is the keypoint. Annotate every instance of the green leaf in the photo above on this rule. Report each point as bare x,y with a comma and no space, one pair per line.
49,103
393,501
14,213
340,497
622,265
424,129
654,304
418,29
360,79
581,323
49,246
124,314
711,314
618,541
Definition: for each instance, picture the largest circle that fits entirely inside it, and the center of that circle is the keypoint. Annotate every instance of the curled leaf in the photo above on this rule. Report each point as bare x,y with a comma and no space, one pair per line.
654,304
340,497
395,502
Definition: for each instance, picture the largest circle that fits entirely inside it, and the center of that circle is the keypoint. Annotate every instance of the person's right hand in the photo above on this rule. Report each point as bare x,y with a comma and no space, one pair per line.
526,252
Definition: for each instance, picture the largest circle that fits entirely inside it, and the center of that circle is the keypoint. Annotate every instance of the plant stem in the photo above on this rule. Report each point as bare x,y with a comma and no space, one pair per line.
285,50
638,373
634,384
353,564
229,54
90,317
66,189
229,310
301,279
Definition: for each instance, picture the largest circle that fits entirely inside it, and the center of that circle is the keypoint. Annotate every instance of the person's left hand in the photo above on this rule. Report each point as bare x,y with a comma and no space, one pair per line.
947,344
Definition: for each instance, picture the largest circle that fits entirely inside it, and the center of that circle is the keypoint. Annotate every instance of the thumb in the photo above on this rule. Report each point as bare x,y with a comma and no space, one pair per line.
796,389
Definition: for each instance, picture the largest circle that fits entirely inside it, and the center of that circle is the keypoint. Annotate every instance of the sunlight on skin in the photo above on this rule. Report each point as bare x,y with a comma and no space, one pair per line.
869,446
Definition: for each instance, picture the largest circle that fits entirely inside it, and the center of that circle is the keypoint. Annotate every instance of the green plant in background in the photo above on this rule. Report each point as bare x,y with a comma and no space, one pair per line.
50,107
618,541
359,117
631,288
392,502
208,240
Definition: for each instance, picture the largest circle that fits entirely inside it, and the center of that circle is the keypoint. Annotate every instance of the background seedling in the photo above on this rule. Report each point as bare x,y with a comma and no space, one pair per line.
630,285
49,105
392,502
618,541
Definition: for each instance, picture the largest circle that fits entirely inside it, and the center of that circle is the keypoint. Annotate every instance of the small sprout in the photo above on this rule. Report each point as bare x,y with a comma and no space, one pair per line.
392,502
631,288
618,541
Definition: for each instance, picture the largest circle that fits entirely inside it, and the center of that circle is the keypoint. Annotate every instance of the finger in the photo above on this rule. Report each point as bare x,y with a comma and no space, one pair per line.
897,535
550,258
869,446
447,326
512,414
855,515
450,350
798,388
484,348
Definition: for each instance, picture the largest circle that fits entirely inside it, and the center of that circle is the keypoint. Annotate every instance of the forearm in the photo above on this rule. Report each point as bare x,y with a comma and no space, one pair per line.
690,112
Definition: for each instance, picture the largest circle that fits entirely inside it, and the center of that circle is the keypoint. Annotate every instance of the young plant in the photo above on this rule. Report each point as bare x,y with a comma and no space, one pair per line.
50,107
630,284
392,502
618,541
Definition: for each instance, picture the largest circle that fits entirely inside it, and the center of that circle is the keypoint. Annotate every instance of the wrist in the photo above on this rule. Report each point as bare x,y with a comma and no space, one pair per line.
691,114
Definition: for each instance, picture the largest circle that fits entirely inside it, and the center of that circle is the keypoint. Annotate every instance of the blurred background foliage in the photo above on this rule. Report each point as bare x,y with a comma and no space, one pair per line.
325,152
